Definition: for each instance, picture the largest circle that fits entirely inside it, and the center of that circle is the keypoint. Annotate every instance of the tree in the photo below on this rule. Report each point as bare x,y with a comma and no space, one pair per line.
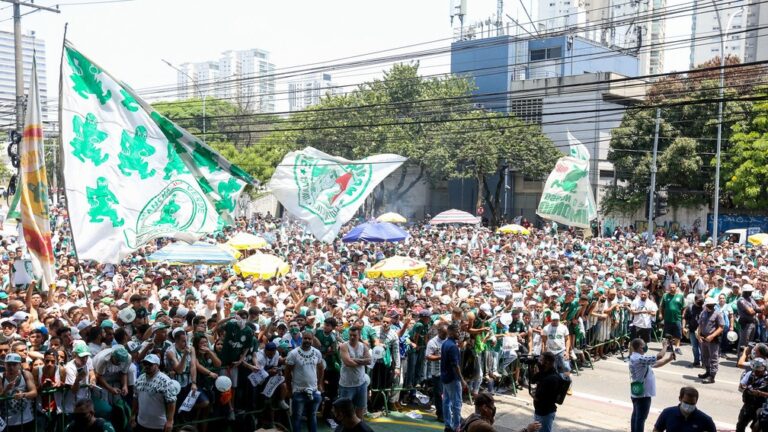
687,136
432,122
228,131
745,166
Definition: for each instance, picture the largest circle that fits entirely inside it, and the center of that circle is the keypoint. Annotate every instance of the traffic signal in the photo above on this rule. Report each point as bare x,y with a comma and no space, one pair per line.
661,206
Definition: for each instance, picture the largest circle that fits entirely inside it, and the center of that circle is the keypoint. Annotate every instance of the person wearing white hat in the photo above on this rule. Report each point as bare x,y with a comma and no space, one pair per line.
554,339
711,326
747,311
154,402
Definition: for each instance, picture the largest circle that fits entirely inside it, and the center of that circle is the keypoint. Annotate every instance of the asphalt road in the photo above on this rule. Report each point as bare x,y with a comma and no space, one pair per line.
601,402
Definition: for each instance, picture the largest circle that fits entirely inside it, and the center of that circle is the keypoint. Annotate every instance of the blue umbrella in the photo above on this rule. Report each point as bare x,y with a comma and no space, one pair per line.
375,232
181,253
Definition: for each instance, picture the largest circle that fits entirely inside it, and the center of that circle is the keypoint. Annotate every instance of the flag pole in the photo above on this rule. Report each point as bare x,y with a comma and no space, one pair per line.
61,152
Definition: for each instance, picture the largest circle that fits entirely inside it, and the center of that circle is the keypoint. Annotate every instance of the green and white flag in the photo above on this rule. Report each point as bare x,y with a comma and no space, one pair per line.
325,191
567,196
131,175
578,150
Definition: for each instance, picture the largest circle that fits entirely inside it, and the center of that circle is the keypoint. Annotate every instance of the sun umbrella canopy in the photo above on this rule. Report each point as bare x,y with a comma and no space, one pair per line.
454,216
392,218
262,266
375,232
513,229
758,239
397,266
181,253
244,241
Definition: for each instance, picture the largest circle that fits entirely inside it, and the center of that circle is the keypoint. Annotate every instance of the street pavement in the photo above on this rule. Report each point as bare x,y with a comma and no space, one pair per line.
600,400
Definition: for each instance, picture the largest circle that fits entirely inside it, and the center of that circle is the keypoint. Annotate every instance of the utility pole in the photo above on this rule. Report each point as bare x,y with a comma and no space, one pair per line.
652,193
19,59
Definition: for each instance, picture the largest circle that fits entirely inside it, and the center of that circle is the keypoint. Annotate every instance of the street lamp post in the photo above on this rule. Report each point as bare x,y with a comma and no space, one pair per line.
723,37
194,82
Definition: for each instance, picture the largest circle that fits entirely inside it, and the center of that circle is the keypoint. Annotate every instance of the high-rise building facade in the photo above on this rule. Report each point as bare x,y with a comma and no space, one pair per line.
304,93
635,26
243,77
742,38
31,45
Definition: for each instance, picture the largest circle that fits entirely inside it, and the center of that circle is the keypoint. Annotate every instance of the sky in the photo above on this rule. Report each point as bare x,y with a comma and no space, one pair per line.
129,38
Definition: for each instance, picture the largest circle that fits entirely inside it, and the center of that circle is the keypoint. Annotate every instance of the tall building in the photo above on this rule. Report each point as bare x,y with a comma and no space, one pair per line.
30,45
247,78
204,76
560,15
742,40
634,26
304,93
243,77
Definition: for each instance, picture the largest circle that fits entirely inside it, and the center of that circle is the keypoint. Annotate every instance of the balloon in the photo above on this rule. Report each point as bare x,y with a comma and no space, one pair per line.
506,318
733,336
223,384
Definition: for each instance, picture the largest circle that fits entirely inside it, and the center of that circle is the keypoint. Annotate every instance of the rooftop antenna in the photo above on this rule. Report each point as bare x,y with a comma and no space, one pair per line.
499,13
459,9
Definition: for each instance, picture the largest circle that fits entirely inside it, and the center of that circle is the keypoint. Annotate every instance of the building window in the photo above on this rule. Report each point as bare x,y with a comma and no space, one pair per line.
606,174
528,110
547,53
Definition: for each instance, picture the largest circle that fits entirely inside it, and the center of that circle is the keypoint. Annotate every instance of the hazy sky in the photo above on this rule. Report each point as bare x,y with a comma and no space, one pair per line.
130,38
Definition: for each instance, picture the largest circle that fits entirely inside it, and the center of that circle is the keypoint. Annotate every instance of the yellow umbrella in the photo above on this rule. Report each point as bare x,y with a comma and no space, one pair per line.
262,266
391,218
397,266
513,229
243,241
760,239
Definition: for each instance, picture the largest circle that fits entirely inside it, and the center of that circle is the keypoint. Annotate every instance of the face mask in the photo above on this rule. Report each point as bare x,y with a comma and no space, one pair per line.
294,331
645,349
687,409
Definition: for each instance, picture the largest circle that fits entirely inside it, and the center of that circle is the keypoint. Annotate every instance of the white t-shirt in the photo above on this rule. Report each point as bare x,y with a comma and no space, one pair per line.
153,394
304,374
643,320
638,365
84,392
556,337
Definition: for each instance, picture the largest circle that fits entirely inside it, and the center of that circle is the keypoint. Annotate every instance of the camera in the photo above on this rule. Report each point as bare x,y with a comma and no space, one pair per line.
529,359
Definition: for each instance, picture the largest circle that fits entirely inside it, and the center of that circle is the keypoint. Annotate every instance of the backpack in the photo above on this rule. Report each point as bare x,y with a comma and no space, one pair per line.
121,415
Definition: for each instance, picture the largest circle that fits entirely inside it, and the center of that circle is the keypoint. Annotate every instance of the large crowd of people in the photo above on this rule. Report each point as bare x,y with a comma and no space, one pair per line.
151,346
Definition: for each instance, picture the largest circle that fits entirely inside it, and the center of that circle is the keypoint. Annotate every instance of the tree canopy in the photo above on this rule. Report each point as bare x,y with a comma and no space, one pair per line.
687,136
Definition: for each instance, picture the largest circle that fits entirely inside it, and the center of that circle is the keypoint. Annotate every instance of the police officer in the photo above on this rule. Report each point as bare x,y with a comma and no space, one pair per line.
710,329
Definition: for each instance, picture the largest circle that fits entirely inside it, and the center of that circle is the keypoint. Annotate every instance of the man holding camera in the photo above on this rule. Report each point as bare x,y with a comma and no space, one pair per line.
643,384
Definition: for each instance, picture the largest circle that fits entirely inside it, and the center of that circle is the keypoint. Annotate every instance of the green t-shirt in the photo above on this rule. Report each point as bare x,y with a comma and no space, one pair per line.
330,354
571,310
421,330
367,335
236,342
673,307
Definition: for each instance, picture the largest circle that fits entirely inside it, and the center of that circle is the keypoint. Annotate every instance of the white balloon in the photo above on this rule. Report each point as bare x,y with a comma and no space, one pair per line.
463,293
223,384
506,318
733,336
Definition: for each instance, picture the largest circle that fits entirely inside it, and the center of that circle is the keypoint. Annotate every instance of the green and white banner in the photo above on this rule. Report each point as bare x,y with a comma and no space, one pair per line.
132,175
567,196
325,191
578,150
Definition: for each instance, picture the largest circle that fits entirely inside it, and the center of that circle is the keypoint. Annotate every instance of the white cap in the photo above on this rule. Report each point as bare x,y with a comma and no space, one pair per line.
710,301
747,288
555,316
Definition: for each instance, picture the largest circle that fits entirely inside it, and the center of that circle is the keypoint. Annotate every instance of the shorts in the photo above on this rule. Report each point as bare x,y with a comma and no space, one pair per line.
358,395
673,329
231,373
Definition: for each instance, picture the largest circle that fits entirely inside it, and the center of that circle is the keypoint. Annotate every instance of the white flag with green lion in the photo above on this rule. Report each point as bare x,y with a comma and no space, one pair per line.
131,175
567,196
325,191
